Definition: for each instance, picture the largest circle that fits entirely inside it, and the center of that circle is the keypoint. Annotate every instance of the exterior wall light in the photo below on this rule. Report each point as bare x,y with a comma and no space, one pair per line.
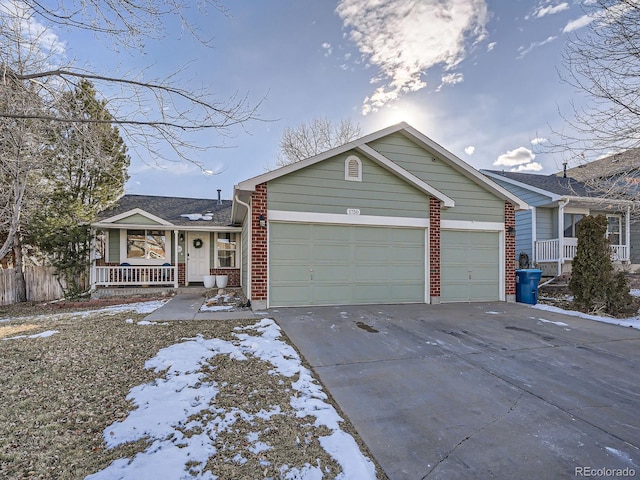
263,221
511,230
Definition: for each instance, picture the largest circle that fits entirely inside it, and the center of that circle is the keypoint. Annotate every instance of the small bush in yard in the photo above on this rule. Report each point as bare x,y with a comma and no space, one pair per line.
594,284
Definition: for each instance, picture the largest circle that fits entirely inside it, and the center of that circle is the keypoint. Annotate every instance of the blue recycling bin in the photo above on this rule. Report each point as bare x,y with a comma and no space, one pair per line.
527,285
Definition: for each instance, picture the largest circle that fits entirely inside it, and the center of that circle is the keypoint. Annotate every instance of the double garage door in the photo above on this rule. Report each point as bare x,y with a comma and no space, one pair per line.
317,264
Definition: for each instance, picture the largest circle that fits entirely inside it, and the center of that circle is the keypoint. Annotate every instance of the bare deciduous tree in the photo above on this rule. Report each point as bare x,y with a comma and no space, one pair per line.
602,62
317,136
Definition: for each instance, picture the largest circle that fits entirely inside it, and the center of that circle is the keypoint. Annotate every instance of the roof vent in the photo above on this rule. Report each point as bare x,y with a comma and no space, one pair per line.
219,198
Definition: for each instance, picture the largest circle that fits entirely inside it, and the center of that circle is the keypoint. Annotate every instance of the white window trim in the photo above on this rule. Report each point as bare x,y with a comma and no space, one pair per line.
145,261
216,260
348,177
620,224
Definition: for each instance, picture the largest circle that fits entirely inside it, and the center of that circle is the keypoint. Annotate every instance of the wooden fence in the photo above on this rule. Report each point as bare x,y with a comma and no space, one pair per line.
42,285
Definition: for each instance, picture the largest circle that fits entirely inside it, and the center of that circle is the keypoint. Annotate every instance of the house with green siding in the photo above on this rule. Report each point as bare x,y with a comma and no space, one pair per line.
392,217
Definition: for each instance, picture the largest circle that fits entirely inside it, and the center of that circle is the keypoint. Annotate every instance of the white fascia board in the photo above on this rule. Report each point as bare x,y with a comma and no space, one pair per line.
344,219
463,167
137,211
250,184
405,174
553,196
599,200
135,226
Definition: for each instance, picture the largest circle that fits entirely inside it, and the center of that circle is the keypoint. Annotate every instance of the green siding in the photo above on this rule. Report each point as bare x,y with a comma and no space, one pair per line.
137,219
312,264
473,201
114,246
470,266
321,188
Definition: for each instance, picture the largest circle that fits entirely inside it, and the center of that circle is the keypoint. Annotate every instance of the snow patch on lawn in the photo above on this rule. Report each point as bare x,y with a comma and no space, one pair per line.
633,322
179,448
46,334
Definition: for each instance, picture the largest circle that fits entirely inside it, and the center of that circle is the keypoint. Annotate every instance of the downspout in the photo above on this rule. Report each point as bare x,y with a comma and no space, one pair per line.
249,232
534,236
561,206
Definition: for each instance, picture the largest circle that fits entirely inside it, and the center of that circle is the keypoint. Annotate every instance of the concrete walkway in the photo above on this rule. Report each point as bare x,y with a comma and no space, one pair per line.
187,307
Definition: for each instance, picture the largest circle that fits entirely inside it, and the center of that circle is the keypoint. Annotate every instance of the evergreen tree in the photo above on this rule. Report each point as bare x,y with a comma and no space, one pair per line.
594,284
87,173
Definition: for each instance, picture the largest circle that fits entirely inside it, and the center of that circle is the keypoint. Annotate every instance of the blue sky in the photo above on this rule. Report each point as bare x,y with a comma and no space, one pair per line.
477,76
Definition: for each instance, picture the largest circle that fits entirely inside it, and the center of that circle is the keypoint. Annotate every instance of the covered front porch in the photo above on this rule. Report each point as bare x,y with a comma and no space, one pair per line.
554,255
167,247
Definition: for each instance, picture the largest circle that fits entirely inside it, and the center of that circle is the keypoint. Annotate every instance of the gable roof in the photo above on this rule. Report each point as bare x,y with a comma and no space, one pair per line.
361,146
619,163
550,185
170,210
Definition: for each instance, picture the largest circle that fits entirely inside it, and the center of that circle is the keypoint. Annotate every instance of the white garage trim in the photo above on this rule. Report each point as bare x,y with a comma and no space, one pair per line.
344,219
486,227
471,225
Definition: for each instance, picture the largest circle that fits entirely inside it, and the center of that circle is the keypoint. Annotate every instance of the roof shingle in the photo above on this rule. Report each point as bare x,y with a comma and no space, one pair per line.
172,209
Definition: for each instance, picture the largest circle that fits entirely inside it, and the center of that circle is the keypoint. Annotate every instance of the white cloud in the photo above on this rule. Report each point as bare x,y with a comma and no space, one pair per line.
539,140
469,150
327,49
551,9
45,39
524,51
529,167
583,21
405,38
519,156
491,46
450,79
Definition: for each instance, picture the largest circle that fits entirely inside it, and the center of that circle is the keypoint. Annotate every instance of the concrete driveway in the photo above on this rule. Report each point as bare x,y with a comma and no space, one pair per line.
490,390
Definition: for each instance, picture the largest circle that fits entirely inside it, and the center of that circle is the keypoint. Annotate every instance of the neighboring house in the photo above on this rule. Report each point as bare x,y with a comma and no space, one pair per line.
390,218
546,233
624,165
616,175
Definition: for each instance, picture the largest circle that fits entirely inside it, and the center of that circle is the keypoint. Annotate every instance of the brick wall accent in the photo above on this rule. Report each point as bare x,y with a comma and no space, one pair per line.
232,273
182,274
258,244
509,250
434,247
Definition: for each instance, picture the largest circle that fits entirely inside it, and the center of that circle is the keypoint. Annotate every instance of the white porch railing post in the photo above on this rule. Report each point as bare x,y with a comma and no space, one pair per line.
175,259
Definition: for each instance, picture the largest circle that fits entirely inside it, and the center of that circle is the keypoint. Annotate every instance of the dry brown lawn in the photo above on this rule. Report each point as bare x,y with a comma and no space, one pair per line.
58,394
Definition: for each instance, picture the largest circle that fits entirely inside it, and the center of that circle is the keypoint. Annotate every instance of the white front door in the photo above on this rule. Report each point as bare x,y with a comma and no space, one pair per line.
197,256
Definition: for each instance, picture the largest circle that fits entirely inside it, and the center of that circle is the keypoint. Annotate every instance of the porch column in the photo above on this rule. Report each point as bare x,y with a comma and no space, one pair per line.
92,259
627,233
175,259
561,206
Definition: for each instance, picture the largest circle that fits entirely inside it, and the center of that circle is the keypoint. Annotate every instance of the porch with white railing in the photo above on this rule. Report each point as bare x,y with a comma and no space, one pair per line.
564,249
131,275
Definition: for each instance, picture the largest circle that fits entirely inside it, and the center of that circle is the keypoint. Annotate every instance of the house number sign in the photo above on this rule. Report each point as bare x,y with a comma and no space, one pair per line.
353,211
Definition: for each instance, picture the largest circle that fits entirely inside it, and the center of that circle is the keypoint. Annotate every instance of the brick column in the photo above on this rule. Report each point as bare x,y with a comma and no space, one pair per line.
259,248
434,249
509,253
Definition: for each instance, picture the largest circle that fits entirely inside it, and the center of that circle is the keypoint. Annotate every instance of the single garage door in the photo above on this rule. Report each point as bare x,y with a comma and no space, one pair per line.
315,264
470,266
